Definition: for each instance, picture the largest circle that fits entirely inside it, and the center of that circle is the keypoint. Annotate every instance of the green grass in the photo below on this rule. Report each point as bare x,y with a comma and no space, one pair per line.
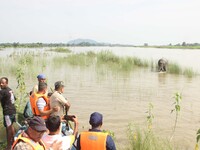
109,60
30,62
117,63
189,72
107,57
60,50
3,146
80,59
142,139
103,59
174,68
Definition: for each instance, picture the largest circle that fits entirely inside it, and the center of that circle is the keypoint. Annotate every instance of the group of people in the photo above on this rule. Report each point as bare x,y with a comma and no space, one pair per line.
44,131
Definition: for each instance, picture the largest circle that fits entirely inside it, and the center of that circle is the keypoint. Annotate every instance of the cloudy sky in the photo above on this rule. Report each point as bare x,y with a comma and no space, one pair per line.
115,21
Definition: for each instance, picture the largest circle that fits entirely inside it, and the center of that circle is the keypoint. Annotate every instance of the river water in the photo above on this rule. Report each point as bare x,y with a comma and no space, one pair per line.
124,98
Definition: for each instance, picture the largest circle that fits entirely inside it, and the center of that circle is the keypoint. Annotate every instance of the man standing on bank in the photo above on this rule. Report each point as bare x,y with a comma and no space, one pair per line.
7,99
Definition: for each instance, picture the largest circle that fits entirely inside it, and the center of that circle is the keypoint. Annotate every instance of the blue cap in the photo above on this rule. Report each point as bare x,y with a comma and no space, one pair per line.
41,76
96,119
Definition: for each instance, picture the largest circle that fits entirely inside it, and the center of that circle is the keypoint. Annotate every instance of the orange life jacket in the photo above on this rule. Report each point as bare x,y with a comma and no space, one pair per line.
33,101
36,146
93,140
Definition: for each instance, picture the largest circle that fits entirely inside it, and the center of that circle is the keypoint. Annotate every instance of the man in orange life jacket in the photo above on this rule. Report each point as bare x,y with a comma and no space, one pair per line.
40,102
31,138
94,139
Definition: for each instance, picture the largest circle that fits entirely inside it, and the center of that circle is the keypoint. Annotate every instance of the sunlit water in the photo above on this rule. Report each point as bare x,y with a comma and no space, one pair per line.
124,98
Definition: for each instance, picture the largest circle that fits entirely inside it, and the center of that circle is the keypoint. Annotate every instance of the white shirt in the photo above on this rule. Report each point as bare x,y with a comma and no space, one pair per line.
41,103
66,140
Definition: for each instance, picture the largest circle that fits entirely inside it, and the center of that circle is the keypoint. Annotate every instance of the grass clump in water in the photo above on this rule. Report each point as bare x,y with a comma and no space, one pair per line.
60,50
119,63
140,63
80,59
107,57
126,64
174,68
189,72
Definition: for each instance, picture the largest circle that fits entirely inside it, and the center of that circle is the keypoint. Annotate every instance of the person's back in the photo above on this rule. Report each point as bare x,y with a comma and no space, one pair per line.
27,113
53,123
95,139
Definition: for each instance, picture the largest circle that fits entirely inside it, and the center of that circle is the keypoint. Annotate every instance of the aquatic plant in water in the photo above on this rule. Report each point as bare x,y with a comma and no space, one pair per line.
174,68
150,117
178,98
60,50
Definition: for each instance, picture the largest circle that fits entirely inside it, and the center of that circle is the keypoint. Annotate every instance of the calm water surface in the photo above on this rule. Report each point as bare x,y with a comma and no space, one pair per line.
124,98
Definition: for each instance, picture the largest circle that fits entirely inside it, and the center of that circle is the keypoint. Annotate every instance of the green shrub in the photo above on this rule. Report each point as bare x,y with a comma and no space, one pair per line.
142,139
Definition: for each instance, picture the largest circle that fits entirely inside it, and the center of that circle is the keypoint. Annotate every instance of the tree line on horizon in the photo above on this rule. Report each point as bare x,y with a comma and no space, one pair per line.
38,44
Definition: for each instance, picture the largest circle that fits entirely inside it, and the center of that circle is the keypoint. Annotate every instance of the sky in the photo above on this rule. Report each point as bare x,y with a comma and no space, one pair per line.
156,22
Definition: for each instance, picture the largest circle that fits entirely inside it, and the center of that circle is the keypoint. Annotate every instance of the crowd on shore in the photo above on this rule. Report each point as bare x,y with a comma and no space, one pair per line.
47,121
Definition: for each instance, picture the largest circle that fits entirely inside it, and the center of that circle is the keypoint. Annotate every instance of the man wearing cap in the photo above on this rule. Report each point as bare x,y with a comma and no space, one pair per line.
57,99
31,138
41,78
95,139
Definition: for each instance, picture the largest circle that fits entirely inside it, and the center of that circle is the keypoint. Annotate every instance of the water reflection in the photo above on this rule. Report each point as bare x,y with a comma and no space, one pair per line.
161,78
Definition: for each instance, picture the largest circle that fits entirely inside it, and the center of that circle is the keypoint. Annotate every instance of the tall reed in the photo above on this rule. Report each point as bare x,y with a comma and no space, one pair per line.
142,139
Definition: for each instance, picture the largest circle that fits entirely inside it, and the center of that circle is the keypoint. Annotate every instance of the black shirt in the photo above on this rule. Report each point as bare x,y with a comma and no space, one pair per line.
7,101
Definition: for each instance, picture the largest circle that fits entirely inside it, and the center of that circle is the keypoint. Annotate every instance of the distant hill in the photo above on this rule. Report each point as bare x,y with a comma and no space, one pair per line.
83,42
89,42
